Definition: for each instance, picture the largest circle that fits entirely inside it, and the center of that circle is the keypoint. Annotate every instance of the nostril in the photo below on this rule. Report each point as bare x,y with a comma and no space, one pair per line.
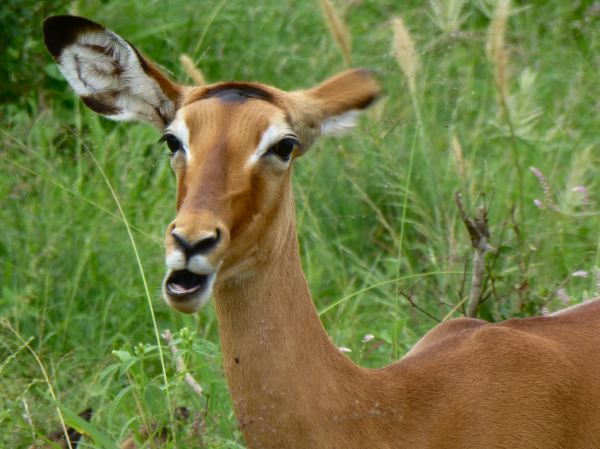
206,244
182,242
201,246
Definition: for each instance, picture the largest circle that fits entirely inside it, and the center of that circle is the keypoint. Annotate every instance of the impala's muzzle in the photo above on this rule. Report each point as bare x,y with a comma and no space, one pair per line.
193,259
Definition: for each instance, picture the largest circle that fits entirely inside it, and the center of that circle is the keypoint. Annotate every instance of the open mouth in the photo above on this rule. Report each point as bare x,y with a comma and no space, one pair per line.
184,283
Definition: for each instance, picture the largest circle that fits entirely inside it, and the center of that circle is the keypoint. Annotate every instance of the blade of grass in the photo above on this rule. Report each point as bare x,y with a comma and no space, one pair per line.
86,428
381,284
143,277
44,373
77,195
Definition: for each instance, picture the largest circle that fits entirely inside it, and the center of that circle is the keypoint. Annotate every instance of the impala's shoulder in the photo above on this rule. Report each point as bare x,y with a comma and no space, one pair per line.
448,333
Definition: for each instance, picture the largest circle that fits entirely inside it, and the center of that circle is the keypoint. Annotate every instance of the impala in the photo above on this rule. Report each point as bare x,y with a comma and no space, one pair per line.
520,384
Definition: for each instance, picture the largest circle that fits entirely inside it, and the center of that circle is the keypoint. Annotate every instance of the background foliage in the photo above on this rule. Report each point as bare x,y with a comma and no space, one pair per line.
382,242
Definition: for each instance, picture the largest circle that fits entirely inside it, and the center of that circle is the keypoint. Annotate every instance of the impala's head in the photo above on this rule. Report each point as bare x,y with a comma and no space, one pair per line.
231,148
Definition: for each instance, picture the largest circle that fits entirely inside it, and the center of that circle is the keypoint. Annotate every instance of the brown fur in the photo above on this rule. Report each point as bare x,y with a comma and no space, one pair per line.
522,384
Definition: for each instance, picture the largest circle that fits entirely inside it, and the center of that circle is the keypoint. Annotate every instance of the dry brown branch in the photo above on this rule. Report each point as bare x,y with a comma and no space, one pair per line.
480,234
180,364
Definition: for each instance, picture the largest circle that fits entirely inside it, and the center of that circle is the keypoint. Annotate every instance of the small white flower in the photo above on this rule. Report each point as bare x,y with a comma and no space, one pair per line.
344,349
538,204
580,274
562,294
367,338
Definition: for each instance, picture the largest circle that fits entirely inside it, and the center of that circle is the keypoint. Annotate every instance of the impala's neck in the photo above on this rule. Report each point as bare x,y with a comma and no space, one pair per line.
285,375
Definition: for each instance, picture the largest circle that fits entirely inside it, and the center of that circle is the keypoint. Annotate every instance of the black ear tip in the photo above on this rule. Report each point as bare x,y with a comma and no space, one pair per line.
60,31
373,77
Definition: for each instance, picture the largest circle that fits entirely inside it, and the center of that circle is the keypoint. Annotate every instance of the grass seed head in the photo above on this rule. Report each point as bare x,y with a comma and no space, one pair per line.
458,157
191,70
448,15
405,53
338,30
496,48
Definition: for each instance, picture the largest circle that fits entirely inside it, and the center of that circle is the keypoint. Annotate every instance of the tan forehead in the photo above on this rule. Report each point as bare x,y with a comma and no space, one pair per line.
234,121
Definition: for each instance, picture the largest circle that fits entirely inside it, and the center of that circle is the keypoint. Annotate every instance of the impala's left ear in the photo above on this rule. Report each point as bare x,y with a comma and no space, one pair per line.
340,99
108,73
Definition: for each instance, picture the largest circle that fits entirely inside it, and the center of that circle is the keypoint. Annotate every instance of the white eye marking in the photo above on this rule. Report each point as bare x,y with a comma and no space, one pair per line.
274,133
180,130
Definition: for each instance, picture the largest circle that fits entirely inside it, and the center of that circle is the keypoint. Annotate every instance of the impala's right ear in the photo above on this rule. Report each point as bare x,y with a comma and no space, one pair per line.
109,74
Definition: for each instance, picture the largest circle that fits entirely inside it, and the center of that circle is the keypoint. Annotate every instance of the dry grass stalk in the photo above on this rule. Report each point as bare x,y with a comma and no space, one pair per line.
191,70
405,53
338,30
458,157
496,48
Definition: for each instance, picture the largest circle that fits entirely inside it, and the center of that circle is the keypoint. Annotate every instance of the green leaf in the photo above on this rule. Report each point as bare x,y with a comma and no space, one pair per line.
86,428
123,356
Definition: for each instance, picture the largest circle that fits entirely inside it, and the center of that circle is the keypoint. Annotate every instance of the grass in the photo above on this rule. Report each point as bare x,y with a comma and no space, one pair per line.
383,246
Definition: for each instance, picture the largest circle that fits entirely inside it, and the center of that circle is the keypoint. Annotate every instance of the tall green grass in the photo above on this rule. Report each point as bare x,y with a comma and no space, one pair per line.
383,246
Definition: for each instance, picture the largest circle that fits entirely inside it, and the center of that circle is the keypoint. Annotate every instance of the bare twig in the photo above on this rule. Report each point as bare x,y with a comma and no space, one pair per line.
480,234
180,364
420,309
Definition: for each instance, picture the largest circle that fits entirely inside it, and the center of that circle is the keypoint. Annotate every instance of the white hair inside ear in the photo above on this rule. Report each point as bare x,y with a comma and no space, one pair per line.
340,124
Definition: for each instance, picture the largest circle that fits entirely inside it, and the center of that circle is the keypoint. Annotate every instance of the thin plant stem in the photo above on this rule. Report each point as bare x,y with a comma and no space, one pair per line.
211,19
407,184
515,152
144,282
456,307
381,284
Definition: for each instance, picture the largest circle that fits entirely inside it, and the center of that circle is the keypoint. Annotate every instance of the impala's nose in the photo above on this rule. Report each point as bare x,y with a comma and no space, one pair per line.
200,246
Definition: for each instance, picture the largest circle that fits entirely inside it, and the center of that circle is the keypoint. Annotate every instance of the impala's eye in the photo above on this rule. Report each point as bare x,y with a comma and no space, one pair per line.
172,142
283,149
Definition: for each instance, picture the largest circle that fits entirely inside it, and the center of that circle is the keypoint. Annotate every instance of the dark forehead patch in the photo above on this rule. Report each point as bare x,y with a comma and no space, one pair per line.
236,93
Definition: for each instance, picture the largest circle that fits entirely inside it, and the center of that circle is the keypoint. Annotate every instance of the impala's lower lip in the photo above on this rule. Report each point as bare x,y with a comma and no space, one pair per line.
183,283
